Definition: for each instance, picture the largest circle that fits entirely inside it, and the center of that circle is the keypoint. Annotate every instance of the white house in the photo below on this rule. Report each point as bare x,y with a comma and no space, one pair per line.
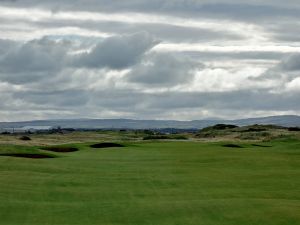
27,129
34,129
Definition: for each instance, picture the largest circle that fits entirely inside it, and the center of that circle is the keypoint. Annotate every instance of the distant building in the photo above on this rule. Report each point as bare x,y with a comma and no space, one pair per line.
12,130
27,129
34,129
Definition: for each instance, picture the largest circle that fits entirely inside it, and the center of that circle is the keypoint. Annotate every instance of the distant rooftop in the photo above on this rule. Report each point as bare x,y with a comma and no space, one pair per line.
37,128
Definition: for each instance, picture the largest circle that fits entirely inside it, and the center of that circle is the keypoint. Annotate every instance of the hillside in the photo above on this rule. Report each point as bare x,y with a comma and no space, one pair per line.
152,124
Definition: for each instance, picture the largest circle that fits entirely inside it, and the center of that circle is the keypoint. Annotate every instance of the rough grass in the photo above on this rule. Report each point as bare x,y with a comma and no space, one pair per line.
163,183
246,133
165,137
74,137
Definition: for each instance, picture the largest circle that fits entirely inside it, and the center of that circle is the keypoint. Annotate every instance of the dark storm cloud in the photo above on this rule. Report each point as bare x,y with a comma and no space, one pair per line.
5,46
55,99
166,32
257,55
287,33
245,11
235,100
118,52
164,70
32,61
221,8
291,63
287,70
34,56
284,30
134,101
44,58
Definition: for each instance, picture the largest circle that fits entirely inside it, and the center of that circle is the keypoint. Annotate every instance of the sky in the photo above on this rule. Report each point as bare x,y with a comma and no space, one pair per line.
141,59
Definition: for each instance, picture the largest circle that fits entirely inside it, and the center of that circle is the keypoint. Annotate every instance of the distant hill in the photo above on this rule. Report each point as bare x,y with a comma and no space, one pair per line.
289,121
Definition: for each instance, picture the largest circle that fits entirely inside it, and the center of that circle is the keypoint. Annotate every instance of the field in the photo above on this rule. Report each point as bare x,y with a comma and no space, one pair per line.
151,182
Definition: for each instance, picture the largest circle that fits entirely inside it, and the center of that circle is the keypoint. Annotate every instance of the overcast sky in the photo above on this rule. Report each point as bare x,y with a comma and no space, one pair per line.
179,59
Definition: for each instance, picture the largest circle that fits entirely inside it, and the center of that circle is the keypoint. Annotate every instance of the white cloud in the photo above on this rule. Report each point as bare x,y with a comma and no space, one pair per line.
167,47
294,85
180,59
118,52
249,31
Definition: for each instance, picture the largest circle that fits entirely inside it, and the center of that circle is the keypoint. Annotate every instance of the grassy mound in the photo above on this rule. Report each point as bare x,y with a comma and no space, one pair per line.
23,152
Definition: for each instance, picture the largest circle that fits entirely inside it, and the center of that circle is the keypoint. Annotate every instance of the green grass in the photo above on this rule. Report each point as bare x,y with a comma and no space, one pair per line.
163,183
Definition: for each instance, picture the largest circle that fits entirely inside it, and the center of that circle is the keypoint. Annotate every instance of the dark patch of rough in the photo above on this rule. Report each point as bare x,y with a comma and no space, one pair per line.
220,127
60,149
106,145
232,146
25,138
253,129
30,156
294,129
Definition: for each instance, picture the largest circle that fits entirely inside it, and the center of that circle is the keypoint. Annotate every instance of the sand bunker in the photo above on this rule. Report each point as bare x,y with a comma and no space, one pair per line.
263,146
60,149
106,145
232,146
31,155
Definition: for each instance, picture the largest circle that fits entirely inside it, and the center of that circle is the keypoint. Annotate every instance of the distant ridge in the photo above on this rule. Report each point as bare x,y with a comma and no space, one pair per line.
287,120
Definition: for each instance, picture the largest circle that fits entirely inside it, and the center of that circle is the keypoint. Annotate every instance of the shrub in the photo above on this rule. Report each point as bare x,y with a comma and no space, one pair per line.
25,138
165,137
220,127
294,129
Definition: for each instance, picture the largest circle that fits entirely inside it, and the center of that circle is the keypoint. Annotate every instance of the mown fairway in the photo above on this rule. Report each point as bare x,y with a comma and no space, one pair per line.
159,183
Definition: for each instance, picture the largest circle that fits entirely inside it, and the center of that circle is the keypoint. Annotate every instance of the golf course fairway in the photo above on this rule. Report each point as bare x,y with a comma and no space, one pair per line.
153,183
